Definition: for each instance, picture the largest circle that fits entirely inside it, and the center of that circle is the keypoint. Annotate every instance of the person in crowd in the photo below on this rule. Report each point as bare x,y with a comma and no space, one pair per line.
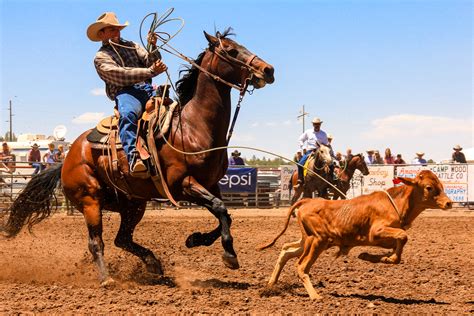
348,154
339,159
127,70
330,138
49,158
310,140
378,160
458,155
34,159
388,159
370,159
399,160
7,158
419,160
60,154
235,159
298,156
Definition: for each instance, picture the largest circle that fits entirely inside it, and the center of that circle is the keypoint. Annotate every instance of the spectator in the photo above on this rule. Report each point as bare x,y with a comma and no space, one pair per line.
235,159
51,155
399,160
330,138
378,160
34,159
348,154
60,154
370,159
388,159
7,159
419,160
458,156
339,159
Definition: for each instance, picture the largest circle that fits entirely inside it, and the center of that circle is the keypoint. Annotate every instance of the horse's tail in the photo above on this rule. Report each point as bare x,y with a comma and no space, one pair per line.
33,204
288,217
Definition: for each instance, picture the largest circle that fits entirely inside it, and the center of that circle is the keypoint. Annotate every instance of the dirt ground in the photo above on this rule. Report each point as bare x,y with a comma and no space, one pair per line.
53,272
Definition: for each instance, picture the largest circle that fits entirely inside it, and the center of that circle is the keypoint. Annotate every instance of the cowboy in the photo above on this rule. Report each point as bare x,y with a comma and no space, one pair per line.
235,159
458,156
311,140
34,159
370,159
127,70
419,160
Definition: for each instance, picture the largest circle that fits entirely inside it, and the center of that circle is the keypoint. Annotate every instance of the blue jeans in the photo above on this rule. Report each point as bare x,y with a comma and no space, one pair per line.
38,167
302,162
130,104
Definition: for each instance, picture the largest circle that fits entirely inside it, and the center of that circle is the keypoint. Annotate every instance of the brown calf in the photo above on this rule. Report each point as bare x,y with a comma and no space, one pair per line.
377,219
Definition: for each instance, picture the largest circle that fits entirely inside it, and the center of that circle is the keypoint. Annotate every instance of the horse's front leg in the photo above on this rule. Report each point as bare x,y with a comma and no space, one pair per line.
199,195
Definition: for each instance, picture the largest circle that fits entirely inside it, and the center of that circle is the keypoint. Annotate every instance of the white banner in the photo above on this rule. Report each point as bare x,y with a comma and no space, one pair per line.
286,172
379,178
454,178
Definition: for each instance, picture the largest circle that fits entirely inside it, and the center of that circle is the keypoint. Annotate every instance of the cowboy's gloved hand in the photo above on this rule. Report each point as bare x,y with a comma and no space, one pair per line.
158,67
151,38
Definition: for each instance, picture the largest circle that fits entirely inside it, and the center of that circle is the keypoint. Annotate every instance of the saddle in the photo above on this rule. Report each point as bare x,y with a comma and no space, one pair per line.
154,124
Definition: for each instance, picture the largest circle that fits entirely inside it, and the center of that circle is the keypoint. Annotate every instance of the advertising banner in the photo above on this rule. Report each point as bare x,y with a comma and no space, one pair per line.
453,176
379,178
239,180
286,172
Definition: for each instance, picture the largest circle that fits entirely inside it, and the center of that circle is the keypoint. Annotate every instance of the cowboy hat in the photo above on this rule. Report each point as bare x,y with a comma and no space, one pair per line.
330,136
35,145
370,151
316,120
420,153
457,147
236,153
106,19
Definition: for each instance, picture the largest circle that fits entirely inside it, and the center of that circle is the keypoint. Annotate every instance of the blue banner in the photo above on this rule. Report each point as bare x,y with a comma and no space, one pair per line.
239,180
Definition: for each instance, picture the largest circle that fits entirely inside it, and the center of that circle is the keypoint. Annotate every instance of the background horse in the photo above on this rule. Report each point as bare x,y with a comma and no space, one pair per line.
356,162
319,165
205,92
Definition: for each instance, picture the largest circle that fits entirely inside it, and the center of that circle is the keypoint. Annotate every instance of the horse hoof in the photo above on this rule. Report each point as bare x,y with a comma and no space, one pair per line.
108,283
155,267
194,240
230,262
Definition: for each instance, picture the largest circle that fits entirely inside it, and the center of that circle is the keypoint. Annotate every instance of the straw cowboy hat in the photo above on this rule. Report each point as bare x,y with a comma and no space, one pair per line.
316,120
420,153
370,151
236,153
457,147
106,19
330,136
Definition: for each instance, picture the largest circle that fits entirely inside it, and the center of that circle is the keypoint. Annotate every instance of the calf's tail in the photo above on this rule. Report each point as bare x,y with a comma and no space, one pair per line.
288,217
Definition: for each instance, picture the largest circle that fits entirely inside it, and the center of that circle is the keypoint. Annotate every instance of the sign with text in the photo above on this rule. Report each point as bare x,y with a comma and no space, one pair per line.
454,178
239,180
379,178
286,173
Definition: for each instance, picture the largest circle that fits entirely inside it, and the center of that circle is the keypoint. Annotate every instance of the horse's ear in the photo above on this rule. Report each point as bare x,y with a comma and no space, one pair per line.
211,39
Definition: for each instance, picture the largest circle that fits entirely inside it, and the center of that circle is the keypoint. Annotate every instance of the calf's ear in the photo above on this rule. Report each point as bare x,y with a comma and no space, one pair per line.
407,181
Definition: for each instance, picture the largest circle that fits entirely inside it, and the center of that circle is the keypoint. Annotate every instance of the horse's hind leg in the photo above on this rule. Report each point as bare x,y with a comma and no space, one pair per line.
215,205
131,213
93,216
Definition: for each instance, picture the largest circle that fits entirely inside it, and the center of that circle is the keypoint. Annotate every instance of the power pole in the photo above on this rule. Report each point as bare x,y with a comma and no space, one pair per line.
302,115
11,122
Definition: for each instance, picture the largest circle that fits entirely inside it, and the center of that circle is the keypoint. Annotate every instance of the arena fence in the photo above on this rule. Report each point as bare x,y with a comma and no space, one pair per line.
263,187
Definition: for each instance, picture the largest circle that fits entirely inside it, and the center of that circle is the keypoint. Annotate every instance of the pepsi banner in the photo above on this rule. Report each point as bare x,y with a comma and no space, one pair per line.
239,180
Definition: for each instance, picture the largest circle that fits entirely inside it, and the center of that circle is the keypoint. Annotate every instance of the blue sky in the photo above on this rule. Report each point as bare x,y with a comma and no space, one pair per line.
379,74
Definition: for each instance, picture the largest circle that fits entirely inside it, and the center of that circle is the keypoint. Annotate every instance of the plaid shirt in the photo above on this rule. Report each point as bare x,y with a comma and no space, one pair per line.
117,75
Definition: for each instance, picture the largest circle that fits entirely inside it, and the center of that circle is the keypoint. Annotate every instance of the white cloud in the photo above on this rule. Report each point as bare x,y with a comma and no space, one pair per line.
271,124
242,137
288,122
256,124
98,92
88,117
410,125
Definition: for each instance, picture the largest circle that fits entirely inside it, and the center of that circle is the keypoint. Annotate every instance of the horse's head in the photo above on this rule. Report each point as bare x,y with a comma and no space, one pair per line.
236,64
360,164
323,155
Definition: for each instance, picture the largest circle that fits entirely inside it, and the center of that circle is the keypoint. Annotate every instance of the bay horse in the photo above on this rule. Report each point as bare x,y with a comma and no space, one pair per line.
320,166
344,176
205,94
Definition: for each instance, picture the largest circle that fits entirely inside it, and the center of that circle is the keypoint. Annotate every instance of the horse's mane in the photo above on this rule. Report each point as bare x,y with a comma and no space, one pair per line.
186,86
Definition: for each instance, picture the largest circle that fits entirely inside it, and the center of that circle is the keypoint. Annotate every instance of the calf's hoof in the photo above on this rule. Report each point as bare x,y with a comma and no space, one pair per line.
230,261
390,260
108,283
